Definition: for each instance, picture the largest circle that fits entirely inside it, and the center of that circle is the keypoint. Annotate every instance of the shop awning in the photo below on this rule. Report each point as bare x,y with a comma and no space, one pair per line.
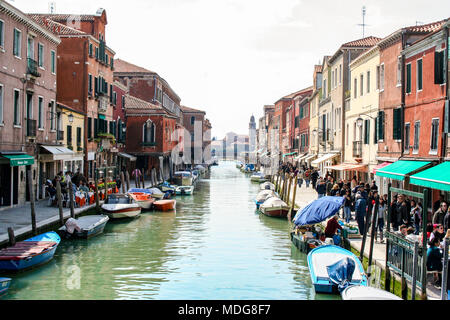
381,165
301,157
59,153
310,157
126,155
348,167
289,154
19,160
437,177
398,170
323,158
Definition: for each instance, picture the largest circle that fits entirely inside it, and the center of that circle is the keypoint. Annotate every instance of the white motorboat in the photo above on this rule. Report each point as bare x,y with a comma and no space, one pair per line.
274,207
184,190
183,178
367,293
119,206
262,196
267,186
258,177
156,193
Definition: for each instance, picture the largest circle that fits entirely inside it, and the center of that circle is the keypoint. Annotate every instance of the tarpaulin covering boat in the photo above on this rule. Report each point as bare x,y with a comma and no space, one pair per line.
318,210
89,226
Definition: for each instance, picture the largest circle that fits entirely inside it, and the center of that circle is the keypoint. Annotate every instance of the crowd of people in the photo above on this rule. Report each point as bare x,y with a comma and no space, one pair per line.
364,200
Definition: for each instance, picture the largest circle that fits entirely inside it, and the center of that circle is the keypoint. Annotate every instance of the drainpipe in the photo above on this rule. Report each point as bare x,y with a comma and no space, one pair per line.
402,116
446,56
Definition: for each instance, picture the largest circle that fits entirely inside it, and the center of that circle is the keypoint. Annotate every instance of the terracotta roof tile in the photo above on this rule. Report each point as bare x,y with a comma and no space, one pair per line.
132,102
64,18
425,28
364,42
187,109
55,27
124,66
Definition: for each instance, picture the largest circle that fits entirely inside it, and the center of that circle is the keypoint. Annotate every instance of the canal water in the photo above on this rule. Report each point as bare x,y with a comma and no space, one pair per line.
214,247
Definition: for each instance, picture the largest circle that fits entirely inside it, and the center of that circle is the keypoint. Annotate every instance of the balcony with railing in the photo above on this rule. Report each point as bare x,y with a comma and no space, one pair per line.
31,128
357,149
32,67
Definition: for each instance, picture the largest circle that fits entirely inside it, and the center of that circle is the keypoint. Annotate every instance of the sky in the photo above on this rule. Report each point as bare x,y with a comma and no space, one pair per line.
232,57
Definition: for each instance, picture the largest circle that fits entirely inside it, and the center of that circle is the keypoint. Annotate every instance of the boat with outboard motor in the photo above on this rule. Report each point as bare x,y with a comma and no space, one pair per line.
4,285
88,226
333,269
119,206
258,177
144,200
274,207
184,190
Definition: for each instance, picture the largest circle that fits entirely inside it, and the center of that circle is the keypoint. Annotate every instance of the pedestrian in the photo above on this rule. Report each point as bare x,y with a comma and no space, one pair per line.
68,177
416,216
300,177
347,207
439,215
314,177
380,220
437,203
335,191
329,185
438,233
447,220
434,261
307,177
402,214
360,212
321,188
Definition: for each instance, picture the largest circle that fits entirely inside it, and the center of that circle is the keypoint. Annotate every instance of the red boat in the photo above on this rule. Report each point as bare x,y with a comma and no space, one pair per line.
165,205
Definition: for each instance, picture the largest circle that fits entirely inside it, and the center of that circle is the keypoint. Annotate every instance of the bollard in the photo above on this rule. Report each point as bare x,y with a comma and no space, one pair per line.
97,201
12,237
60,208
33,210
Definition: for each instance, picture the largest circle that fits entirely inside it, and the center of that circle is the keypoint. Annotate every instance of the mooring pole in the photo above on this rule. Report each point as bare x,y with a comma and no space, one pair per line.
33,209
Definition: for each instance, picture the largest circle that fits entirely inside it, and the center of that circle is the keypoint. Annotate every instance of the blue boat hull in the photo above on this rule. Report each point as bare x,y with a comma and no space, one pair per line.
4,285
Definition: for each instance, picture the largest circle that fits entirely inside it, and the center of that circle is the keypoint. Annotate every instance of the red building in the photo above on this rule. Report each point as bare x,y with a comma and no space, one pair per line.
300,121
149,130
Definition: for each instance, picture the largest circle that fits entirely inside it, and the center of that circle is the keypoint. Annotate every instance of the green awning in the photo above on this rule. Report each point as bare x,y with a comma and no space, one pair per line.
102,116
398,170
289,154
437,177
19,160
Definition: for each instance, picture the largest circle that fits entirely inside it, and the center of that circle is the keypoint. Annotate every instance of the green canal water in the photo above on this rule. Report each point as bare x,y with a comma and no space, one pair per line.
214,247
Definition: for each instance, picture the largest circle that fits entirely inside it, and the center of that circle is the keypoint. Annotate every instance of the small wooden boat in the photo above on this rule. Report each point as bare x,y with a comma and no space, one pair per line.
262,196
303,243
4,285
29,253
184,190
90,226
258,177
156,193
183,178
165,205
144,200
367,293
274,207
328,263
267,186
119,206
165,186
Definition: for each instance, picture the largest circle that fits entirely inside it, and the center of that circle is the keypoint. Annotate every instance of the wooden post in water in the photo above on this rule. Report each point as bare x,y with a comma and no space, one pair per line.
128,180
143,178
33,210
293,200
373,231
122,178
12,237
59,199
71,200
289,190
285,186
97,201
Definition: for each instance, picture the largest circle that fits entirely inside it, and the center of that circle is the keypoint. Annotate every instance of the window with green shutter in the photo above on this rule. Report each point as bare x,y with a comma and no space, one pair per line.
397,132
381,125
95,128
69,135
89,133
408,78
78,137
366,131
419,75
375,135
439,67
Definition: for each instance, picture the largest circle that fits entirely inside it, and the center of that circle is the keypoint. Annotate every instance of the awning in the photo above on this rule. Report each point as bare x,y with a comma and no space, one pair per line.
59,153
101,116
126,155
348,167
398,170
301,157
382,165
19,160
91,156
289,154
437,177
326,157
310,157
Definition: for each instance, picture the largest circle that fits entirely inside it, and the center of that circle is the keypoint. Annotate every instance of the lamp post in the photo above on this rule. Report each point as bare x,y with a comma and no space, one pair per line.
70,118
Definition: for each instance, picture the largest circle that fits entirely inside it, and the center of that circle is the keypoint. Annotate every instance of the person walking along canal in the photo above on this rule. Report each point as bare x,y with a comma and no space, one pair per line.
360,211
321,188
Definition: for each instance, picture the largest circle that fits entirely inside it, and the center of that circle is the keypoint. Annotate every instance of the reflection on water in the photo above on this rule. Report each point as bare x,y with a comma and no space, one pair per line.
213,247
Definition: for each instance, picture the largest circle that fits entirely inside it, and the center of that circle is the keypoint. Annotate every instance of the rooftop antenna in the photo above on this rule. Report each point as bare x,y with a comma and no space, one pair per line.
363,25
52,7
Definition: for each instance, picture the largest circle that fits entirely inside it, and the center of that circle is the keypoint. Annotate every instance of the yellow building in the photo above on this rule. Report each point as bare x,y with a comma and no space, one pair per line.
361,117
314,115
70,126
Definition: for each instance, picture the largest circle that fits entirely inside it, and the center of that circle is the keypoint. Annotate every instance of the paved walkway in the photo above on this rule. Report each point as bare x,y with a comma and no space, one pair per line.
305,195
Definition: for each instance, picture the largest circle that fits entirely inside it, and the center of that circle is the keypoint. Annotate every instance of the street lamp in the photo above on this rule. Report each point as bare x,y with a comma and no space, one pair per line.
359,122
70,117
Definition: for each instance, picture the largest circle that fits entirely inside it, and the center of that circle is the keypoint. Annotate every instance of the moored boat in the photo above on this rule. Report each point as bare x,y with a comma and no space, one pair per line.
184,190
4,285
156,193
119,206
258,177
183,178
89,226
267,186
333,268
29,253
144,200
367,293
262,196
165,186
165,205
274,207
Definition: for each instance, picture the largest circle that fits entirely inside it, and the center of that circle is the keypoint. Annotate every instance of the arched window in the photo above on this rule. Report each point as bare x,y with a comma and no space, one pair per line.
149,132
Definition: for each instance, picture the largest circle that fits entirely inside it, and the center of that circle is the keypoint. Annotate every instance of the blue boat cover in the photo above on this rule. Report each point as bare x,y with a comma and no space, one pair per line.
318,210
139,190
49,236
250,167
341,273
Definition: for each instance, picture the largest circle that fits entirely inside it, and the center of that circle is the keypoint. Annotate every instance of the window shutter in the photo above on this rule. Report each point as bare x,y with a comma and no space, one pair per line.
397,124
89,133
366,131
95,128
69,135
375,135
439,67
408,78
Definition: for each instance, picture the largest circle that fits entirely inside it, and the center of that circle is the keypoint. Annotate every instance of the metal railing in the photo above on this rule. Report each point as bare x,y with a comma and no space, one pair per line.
32,67
357,149
31,128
